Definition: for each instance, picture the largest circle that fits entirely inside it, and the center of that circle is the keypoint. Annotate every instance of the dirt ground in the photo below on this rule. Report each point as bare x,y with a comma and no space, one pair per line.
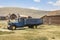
43,32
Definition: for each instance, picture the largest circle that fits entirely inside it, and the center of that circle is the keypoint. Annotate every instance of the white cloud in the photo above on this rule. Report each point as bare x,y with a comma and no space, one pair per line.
57,3
34,8
50,2
1,6
36,0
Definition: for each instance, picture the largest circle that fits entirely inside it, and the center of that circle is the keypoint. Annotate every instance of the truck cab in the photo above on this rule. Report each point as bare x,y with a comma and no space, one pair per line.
15,24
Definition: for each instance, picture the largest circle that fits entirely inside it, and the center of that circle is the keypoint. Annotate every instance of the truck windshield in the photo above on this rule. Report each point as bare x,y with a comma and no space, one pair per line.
16,20
13,20
19,20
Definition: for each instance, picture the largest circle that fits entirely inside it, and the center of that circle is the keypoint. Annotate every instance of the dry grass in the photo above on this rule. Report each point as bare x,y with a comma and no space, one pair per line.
3,24
5,32
44,32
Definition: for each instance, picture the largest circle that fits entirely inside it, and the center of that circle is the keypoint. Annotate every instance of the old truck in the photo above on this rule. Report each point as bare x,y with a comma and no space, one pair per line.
22,22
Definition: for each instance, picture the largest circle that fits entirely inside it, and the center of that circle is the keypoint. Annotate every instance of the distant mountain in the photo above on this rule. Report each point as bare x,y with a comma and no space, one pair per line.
57,12
23,11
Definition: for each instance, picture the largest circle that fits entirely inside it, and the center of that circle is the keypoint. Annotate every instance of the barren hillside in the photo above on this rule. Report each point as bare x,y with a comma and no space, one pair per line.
23,11
57,12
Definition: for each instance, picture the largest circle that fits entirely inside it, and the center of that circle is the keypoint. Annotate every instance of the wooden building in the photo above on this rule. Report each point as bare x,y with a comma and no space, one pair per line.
51,19
3,16
7,16
12,16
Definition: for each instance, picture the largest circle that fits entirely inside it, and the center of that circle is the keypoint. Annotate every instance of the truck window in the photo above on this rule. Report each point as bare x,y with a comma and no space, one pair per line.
19,20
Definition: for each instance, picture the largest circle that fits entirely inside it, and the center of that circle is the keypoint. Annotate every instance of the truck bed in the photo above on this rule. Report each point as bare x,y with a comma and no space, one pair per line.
34,21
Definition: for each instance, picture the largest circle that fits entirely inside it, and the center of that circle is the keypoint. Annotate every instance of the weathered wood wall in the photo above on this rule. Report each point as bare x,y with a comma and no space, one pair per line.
51,19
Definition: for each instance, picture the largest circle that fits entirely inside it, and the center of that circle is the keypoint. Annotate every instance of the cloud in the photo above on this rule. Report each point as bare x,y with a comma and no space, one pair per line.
57,3
36,0
50,2
34,8
1,6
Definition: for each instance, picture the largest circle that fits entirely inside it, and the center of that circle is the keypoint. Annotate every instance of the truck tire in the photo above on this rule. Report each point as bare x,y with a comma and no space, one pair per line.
31,26
36,26
9,28
13,27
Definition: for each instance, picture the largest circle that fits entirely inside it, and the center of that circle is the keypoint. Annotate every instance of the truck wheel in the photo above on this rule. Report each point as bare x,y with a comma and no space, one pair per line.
31,26
8,27
35,26
13,27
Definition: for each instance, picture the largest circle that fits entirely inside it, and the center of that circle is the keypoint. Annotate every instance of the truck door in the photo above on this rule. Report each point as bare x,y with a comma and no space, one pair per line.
20,22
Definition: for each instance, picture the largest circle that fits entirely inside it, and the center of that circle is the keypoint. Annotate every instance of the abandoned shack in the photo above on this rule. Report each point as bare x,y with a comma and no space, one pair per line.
7,16
3,16
51,19
12,16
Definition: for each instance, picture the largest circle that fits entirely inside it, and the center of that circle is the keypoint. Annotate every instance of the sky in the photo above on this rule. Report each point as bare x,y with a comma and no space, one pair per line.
48,5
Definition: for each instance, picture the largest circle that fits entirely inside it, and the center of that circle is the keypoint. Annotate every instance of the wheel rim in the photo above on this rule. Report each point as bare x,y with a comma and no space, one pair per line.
13,27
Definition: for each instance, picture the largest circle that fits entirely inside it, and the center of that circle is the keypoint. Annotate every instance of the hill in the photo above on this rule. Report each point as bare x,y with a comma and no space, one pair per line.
23,11
57,12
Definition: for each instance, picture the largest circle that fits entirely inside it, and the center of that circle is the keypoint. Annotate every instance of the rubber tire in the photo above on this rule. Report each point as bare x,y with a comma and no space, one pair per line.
31,26
36,26
13,27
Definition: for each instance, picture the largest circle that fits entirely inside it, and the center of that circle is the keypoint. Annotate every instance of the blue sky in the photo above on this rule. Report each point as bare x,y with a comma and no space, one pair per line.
32,4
